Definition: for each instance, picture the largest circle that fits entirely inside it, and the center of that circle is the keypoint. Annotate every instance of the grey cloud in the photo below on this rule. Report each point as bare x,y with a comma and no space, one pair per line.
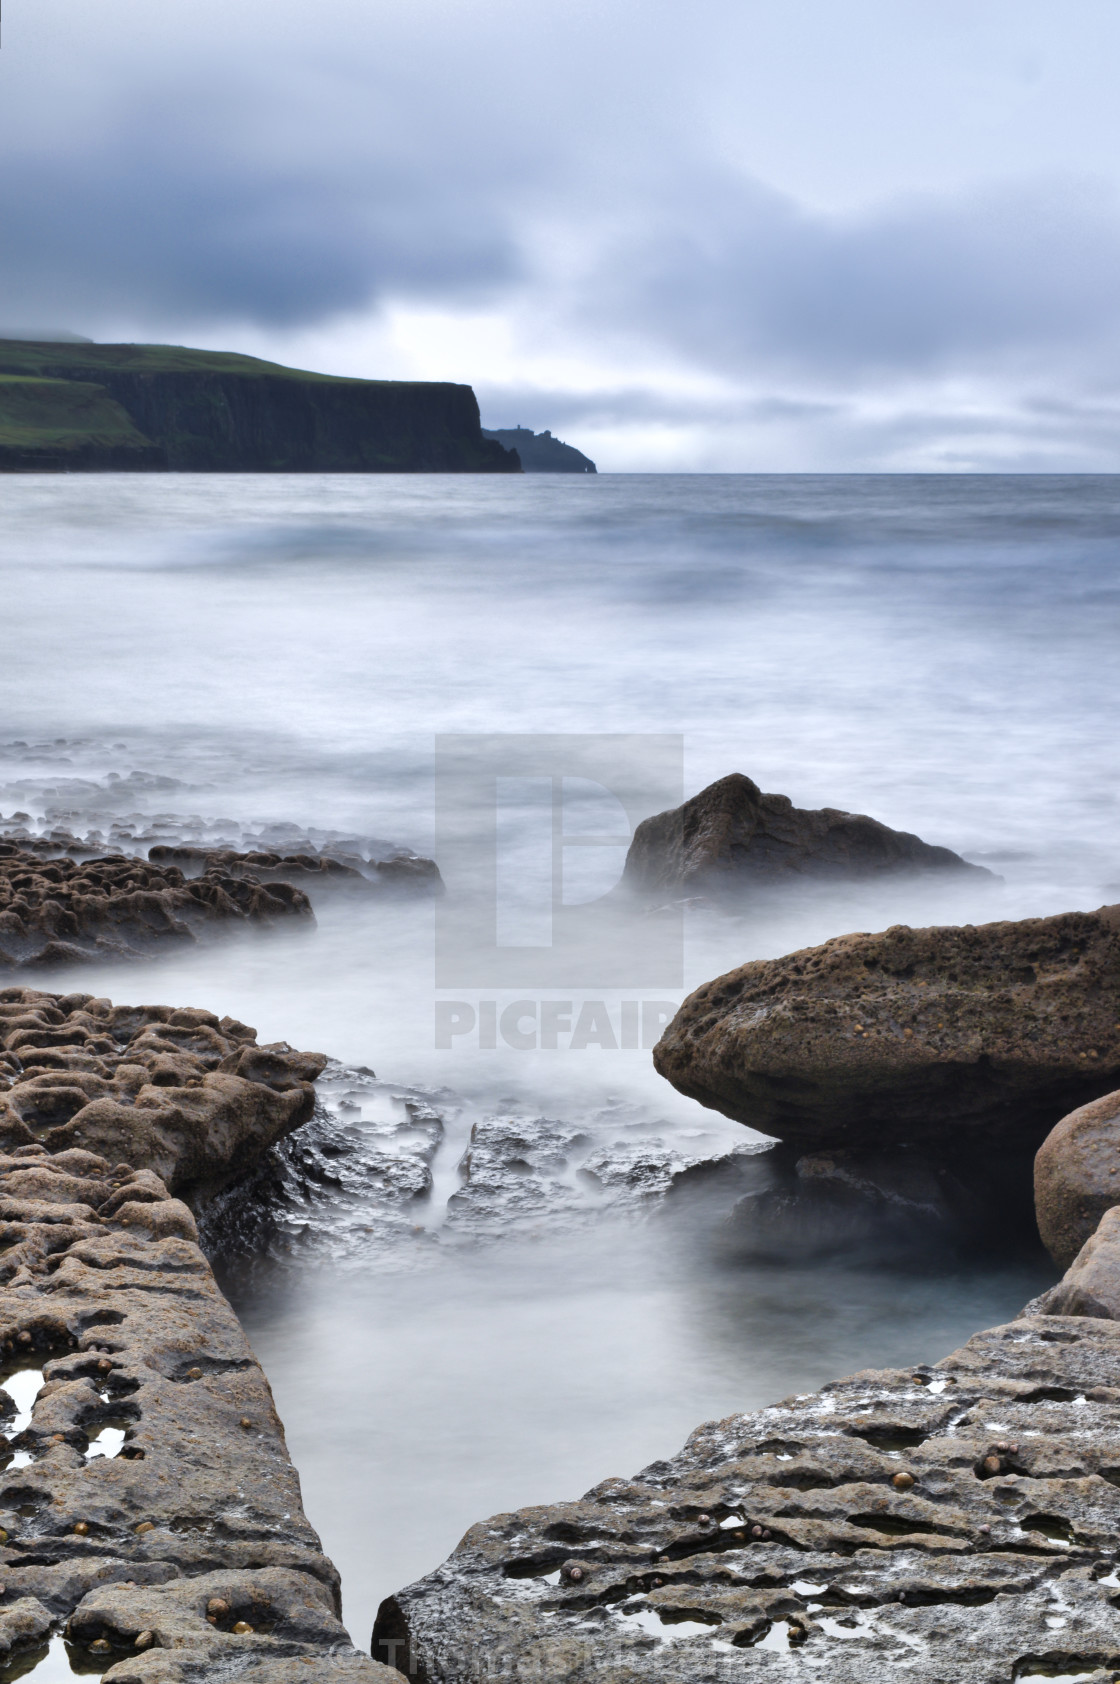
735,275
539,407
180,211
496,158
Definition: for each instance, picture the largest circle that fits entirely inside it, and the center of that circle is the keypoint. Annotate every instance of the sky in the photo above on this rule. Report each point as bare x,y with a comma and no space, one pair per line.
730,236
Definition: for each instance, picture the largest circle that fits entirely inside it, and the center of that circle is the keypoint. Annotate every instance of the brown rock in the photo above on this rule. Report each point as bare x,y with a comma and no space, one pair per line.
62,911
1077,1176
1012,1025
191,1102
1091,1284
191,1505
731,838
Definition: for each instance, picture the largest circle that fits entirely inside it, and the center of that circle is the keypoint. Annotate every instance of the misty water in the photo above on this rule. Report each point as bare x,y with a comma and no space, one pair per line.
211,656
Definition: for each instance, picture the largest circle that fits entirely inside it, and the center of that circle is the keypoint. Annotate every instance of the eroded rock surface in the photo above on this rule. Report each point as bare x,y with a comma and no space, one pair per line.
1077,1176
187,1095
958,1523
398,874
402,1173
59,911
731,838
147,1503
953,1039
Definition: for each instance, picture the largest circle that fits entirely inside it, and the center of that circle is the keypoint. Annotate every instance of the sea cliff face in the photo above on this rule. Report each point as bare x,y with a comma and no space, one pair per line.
213,412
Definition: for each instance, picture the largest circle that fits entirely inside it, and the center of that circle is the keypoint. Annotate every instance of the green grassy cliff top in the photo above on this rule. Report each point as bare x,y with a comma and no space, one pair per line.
19,356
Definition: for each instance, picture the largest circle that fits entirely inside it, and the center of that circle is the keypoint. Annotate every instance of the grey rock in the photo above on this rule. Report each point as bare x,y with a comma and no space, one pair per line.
957,1522
731,839
846,1201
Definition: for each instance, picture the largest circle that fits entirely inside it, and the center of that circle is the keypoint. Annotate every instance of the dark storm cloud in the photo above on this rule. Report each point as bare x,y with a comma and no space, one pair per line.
526,157
160,219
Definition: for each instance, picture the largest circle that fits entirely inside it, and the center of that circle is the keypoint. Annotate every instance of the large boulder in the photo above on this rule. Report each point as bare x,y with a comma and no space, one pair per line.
732,838
947,1038
1077,1176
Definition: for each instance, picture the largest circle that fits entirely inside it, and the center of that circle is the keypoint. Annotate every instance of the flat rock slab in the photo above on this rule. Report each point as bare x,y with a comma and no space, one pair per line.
397,875
183,1093
148,1507
732,839
949,1039
958,1524
63,912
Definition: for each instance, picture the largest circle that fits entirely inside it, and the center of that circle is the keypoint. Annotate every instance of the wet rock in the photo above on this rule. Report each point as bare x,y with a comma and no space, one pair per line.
953,1522
354,1180
854,1201
957,1039
1077,1176
60,911
517,1170
535,1173
732,839
399,875
129,1330
191,1097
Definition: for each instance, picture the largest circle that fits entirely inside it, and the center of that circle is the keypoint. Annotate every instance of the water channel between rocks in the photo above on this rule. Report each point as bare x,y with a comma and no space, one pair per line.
282,651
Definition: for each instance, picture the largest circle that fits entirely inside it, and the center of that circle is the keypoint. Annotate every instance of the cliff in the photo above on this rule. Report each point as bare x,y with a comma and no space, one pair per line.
68,424
170,407
540,453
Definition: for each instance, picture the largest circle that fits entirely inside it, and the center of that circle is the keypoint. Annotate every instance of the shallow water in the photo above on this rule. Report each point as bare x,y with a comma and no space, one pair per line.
245,651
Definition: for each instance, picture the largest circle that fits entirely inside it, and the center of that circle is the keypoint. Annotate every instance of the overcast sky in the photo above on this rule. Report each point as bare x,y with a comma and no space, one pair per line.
800,234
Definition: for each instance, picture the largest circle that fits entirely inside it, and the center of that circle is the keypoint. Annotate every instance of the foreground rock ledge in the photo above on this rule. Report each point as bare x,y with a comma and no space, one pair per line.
960,1523
148,1507
946,1038
187,1555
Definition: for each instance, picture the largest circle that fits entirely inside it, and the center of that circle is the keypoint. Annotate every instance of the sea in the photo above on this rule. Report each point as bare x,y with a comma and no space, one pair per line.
477,1288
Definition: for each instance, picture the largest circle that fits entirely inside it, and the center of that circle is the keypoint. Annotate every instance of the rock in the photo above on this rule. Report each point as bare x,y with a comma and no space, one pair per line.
732,839
397,876
846,1535
59,911
1091,1284
959,1039
131,1549
847,1201
540,453
1077,1176
191,1097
